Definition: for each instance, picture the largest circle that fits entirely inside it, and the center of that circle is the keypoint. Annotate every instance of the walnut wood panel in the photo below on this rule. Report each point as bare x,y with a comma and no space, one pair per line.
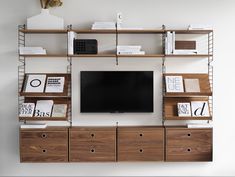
67,82
204,83
185,45
89,144
42,31
45,56
184,144
47,145
190,31
188,56
171,110
141,144
56,100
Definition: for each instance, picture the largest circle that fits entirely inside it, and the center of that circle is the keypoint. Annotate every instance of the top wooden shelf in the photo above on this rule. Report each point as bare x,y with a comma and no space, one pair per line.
113,31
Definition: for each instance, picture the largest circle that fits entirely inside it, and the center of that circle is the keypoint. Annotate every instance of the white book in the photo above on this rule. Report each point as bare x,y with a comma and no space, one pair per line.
200,109
128,47
131,53
59,110
55,85
169,42
71,36
43,108
199,125
199,27
191,85
30,126
191,52
173,42
35,83
166,45
26,110
31,50
174,84
184,109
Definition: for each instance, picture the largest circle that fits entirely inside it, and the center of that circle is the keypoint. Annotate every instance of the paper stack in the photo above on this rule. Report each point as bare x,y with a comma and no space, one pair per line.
199,27
191,125
71,36
103,25
29,126
32,51
129,50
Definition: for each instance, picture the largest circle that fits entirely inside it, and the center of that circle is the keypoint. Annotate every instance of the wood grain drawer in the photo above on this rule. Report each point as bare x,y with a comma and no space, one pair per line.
92,144
183,144
140,144
47,145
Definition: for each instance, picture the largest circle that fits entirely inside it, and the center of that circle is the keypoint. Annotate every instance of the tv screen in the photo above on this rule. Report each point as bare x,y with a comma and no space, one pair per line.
116,91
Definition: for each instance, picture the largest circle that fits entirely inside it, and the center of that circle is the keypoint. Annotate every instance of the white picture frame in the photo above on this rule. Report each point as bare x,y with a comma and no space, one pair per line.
174,84
184,109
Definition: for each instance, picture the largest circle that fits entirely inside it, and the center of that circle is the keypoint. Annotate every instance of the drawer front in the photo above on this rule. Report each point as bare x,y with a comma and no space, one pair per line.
141,144
189,137
41,147
188,144
196,153
90,146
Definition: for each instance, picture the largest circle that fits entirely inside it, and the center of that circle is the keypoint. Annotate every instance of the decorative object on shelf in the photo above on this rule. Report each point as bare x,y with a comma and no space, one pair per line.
71,37
45,20
59,110
200,109
55,85
191,85
119,20
35,83
184,109
85,46
26,110
174,84
43,108
32,51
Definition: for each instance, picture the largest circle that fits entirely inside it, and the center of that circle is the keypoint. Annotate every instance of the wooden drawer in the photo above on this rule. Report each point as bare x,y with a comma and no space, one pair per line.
183,144
92,144
140,144
47,145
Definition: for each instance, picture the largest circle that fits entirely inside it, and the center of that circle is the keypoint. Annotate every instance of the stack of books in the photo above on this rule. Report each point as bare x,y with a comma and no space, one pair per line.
32,51
192,125
199,27
129,50
103,25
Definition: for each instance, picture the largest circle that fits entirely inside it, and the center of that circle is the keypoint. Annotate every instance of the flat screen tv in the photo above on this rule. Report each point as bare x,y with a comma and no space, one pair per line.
116,91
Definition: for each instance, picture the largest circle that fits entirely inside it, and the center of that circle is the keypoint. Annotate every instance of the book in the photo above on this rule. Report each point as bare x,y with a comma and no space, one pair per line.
103,25
174,84
199,27
43,108
124,48
26,110
35,83
29,126
71,36
191,85
59,110
32,50
132,53
191,125
184,109
186,52
55,85
200,109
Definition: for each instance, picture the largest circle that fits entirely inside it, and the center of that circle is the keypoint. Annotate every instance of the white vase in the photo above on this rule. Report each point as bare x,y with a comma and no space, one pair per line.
45,21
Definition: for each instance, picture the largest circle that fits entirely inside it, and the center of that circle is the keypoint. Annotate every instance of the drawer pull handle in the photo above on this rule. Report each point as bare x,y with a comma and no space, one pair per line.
44,151
141,134
44,135
92,150
189,134
189,149
92,135
141,150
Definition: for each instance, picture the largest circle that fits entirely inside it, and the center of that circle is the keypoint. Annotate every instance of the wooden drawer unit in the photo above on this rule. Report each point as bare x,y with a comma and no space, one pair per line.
91,144
44,145
184,144
140,144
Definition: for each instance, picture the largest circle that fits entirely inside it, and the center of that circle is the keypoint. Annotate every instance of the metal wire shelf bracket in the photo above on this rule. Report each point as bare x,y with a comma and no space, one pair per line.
163,71
21,65
116,44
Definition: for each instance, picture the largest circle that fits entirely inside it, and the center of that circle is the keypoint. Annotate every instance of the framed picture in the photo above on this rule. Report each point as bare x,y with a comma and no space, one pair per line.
200,109
184,109
174,84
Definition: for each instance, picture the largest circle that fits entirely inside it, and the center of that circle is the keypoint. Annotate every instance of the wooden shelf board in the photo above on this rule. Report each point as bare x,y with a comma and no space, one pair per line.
93,55
190,31
29,94
201,94
189,55
141,31
97,31
187,118
43,31
45,56
143,56
44,118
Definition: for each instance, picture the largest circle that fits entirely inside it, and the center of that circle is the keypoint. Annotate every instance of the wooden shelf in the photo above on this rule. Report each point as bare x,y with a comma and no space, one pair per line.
143,56
43,31
43,118
205,89
141,31
93,55
63,94
189,55
190,31
98,31
171,112
45,56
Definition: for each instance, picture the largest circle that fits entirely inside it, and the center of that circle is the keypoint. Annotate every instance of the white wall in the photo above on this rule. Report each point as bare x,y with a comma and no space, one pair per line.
149,14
